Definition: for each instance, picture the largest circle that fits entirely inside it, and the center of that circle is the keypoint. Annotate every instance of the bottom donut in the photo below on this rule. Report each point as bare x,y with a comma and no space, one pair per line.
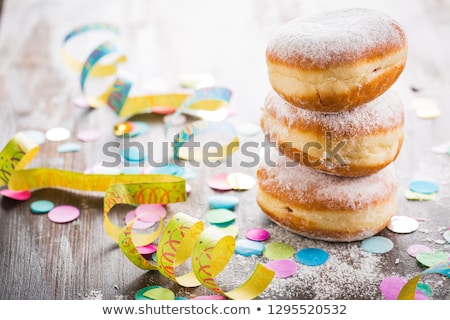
326,207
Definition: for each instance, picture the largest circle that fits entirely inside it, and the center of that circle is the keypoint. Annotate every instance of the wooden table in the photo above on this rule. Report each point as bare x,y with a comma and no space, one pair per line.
43,260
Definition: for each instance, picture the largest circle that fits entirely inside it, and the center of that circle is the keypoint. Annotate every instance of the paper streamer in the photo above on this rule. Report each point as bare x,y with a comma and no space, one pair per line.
116,96
409,289
201,127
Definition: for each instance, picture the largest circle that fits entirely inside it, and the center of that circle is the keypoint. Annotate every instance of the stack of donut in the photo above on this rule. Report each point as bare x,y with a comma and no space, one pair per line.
337,125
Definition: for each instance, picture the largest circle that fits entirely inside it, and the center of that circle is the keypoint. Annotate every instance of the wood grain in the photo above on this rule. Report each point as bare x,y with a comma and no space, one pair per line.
43,260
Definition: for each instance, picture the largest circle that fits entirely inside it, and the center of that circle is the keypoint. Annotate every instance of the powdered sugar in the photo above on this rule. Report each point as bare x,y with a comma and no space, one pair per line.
383,113
335,37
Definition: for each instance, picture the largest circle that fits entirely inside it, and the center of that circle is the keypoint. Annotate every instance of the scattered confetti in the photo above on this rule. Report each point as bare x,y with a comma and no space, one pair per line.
148,249
219,182
390,287
16,195
133,154
240,181
428,259
311,256
377,244
423,186
151,212
89,135
278,251
223,202
37,136
69,147
63,214
57,134
138,224
139,129
257,234
425,288
139,295
447,235
220,217
247,248
414,249
159,294
403,224
283,268
411,195
41,206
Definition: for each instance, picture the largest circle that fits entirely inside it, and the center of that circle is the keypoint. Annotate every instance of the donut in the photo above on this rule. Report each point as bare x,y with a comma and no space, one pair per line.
336,60
325,207
351,143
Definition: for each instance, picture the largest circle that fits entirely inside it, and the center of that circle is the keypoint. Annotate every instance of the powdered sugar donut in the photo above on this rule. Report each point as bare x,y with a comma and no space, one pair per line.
336,60
322,206
350,143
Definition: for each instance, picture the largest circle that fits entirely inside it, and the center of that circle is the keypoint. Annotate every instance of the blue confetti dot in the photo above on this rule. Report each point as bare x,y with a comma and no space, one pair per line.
311,256
377,244
247,248
41,206
423,186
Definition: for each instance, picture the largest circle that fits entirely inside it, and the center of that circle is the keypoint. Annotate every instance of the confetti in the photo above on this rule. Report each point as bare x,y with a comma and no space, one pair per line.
278,251
138,224
426,108
231,230
16,195
219,182
223,202
196,80
69,147
257,234
247,248
148,249
41,206
390,287
414,249
240,181
139,295
123,128
446,235
89,135
133,154
151,212
403,224
164,110
311,256
411,195
159,294
442,148
423,186
283,268
211,297
377,244
57,134
428,259
37,136
63,214
220,217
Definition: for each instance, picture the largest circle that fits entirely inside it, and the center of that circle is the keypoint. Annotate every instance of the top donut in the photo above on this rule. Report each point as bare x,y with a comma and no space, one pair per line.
336,60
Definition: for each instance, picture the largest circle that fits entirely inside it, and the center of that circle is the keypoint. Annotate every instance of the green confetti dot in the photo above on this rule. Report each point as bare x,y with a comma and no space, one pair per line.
220,217
428,259
160,294
139,295
425,288
278,251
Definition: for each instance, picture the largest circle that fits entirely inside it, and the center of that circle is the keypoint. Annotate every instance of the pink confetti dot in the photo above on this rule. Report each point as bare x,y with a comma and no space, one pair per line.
283,268
219,182
63,214
16,195
417,248
138,224
212,297
257,234
89,135
390,287
151,212
148,249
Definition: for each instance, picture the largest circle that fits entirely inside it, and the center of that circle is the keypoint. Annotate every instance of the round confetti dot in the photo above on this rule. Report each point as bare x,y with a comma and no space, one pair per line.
196,80
159,294
240,181
220,217
148,249
416,248
16,195
139,129
377,244
247,248
390,287
57,134
311,256
138,224
423,186
428,259
219,182
211,297
411,195
257,234
188,188
68,147
81,102
403,224
425,288
89,135
283,268
447,236
223,202
163,110
248,129
63,214
41,206
133,154
151,212
278,251
37,136
139,295
231,230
